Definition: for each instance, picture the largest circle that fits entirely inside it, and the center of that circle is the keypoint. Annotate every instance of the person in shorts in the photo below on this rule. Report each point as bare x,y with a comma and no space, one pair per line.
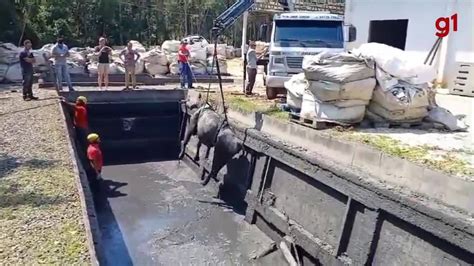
130,57
103,52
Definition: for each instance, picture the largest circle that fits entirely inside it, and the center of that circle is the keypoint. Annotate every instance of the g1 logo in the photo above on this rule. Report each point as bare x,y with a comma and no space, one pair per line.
443,25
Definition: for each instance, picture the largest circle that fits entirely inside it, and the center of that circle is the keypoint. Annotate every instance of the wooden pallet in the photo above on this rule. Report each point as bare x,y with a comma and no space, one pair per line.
375,121
315,123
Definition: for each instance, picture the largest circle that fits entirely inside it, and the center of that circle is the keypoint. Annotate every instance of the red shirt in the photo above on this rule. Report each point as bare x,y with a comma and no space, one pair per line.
80,116
94,154
183,53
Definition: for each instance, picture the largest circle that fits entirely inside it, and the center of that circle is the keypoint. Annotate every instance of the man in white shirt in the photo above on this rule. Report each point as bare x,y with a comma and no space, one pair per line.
251,68
60,53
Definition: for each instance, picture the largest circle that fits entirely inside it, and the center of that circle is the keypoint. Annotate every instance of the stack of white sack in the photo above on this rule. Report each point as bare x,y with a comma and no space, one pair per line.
170,49
261,47
222,65
339,87
402,93
221,50
198,58
10,69
295,88
156,62
230,52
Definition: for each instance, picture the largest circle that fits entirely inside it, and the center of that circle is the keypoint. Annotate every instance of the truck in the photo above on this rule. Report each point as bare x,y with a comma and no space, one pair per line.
296,34
293,35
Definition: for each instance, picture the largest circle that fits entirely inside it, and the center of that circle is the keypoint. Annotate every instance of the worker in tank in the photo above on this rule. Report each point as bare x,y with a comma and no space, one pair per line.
94,154
81,121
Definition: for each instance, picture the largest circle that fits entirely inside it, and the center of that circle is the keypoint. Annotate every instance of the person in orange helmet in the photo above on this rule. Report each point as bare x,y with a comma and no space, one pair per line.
94,154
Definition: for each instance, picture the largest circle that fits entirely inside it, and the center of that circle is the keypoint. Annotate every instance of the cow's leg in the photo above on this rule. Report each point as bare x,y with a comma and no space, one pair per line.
190,130
198,151
219,160
207,152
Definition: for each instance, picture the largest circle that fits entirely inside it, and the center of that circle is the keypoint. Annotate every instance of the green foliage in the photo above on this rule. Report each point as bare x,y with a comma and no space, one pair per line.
81,22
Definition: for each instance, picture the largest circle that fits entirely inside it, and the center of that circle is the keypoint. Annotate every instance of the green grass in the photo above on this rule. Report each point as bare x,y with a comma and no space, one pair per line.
448,162
256,105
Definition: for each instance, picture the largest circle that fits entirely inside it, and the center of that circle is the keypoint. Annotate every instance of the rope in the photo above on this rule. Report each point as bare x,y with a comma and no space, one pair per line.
215,62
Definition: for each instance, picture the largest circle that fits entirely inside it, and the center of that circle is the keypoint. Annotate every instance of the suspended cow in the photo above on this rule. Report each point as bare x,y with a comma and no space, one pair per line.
212,131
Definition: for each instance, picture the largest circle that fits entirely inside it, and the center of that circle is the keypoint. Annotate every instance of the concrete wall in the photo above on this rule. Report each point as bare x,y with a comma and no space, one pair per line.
421,15
336,218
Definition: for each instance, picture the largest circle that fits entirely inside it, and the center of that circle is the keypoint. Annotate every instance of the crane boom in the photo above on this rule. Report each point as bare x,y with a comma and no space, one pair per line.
228,17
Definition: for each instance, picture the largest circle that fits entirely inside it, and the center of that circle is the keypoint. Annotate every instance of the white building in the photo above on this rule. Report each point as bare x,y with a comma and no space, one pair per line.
410,25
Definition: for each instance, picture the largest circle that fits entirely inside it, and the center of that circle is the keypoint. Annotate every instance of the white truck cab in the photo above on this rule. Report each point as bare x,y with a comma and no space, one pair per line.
296,34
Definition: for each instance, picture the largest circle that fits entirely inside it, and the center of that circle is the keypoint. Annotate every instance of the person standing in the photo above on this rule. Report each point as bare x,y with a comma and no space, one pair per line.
81,122
184,67
94,154
103,52
130,57
60,53
251,68
26,62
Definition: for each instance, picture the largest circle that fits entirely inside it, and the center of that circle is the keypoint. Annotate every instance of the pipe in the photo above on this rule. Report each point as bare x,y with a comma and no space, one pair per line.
444,47
348,12
244,41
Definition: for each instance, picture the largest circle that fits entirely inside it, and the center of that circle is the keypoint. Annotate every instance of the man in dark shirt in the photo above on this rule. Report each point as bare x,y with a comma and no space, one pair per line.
26,61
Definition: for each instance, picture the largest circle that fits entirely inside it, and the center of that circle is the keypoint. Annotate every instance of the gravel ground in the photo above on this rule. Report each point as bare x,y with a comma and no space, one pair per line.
40,211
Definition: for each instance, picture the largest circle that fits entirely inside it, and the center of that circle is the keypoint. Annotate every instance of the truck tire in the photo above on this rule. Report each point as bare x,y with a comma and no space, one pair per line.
271,93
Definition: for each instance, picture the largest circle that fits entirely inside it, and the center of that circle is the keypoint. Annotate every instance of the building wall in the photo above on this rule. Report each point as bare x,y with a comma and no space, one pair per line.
421,15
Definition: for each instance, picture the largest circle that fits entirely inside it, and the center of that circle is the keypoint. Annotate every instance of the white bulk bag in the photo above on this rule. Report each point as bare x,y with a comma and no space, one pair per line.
402,115
330,91
170,46
174,68
116,68
197,53
39,57
221,50
230,52
139,67
397,63
312,109
137,46
400,97
222,65
9,53
156,69
14,73
295,87
155,57
93,68
3,71
74,68
337,67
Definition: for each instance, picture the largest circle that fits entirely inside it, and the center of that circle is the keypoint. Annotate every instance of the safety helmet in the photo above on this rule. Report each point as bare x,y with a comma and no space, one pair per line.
82,99
93,137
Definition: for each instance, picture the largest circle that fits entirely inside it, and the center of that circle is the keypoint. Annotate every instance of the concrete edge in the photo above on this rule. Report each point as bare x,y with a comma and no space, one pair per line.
450,190
89,215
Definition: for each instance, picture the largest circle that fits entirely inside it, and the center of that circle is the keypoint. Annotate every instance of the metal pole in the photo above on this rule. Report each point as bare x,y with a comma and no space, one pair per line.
244,42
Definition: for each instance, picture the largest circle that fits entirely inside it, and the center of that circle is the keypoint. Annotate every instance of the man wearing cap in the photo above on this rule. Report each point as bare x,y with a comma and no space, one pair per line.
61,53
184,67
94,154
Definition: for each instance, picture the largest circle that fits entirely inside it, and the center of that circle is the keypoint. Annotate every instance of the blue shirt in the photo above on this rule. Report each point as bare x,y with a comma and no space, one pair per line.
60,50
